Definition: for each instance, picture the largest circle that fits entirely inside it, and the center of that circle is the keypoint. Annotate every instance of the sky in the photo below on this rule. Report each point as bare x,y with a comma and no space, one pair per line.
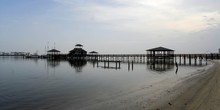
110,26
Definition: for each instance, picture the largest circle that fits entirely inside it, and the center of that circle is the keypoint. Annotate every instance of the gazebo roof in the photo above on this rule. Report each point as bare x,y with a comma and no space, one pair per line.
93,52
79,45
77,50
160,49
53,50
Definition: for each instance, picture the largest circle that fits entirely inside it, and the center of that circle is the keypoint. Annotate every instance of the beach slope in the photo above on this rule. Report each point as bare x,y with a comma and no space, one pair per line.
202,95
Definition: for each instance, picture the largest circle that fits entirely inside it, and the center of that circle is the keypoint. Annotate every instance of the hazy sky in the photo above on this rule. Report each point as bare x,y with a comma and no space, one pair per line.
110,26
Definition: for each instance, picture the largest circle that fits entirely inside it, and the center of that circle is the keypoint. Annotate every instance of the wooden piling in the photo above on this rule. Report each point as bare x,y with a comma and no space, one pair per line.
195,60
119,64
184,59
132,65
189,59
128,65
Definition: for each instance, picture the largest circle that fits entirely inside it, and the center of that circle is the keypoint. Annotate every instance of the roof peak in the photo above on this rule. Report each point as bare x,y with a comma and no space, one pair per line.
160,49
93,52
78,45
53,50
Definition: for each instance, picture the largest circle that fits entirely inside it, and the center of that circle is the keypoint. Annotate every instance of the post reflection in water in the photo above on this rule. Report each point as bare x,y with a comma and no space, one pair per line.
161,67
53,63
176,70
176,67
106,64
77,64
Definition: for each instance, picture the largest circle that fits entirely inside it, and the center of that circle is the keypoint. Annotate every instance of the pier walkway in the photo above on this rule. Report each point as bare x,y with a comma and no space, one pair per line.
145,58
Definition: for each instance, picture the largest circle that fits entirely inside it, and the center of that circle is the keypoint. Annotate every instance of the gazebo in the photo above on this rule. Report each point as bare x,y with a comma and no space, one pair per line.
78,46
52,53
160,54
93,53
77,52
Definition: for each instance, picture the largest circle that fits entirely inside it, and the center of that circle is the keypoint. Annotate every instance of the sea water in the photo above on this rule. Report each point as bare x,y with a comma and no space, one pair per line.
38,84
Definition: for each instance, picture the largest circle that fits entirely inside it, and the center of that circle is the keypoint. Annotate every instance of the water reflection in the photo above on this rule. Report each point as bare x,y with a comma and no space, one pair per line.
27,86
77,64
176,67
93,63
106,64
161,67
177,70
14,58
53,63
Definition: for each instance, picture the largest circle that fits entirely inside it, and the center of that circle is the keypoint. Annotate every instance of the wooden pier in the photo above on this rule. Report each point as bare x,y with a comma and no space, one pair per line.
158,55
107,64
181,59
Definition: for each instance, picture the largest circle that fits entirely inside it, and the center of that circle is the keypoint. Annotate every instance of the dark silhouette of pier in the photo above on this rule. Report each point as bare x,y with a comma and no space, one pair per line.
181,59
159,55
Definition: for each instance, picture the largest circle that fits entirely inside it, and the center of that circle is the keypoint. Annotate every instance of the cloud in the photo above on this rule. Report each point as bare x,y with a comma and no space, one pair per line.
144,15
200,5
196,22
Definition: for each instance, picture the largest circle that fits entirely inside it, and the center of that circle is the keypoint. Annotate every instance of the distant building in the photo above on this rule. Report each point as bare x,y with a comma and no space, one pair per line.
160,54
19,53
77,52
6,53
53,54
93,53
13,53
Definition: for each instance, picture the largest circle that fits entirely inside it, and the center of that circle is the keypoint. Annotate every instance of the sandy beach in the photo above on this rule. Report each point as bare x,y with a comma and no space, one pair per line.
198,93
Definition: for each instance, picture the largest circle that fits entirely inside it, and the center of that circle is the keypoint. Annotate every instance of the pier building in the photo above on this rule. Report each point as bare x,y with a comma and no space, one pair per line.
53,54
160,55
78,52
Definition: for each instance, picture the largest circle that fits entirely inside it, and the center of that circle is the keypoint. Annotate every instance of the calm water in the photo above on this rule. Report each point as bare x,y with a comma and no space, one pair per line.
31,84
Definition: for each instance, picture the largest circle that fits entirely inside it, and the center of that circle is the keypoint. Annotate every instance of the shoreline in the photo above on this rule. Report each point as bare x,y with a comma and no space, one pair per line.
197,93
161,95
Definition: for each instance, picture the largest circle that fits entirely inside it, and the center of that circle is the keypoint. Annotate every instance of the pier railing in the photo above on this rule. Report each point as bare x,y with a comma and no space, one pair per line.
182,59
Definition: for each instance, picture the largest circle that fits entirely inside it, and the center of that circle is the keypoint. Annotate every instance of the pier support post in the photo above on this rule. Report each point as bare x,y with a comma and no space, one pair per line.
119,64
175,58
206,58
184,59
195,60
132,65
189,59
128,65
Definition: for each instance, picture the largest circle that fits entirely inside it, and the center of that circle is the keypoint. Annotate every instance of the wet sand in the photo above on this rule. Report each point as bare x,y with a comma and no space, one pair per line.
198,93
